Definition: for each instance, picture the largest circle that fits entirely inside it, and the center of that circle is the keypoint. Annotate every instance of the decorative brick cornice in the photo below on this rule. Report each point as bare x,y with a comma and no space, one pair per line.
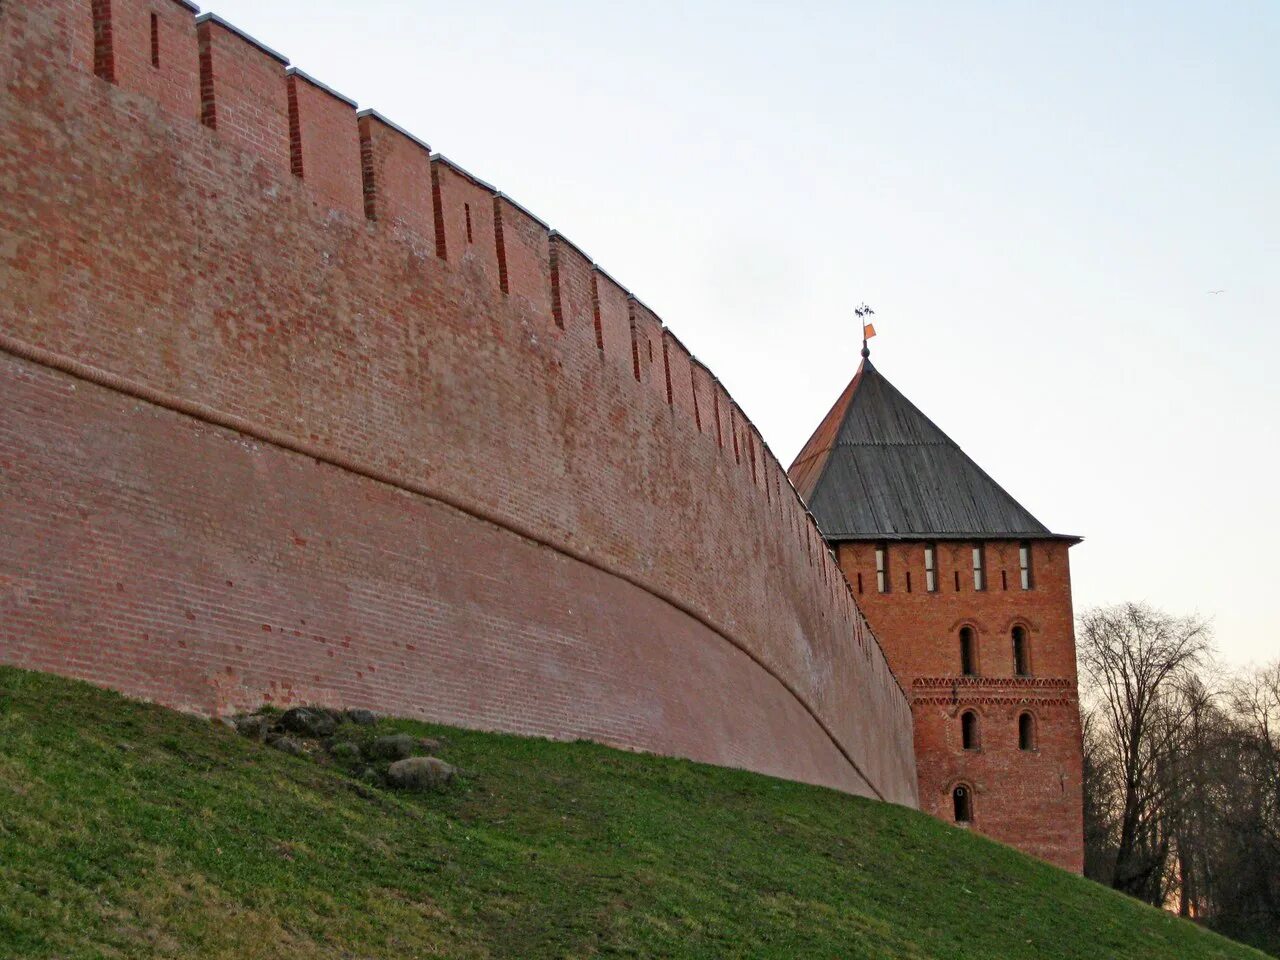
993,699
949,691
1002,683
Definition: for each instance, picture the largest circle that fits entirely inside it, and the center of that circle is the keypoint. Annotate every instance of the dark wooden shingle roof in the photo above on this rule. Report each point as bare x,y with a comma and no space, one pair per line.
878,468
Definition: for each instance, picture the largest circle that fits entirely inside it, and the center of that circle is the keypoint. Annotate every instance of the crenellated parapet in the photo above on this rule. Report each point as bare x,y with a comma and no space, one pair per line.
203,227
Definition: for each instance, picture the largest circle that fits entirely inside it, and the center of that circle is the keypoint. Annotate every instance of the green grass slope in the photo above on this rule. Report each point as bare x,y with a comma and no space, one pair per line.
127,830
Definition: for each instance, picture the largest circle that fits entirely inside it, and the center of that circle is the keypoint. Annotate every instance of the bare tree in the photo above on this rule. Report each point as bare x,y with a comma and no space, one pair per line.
1181,772
1100,801
1189,782
1141,664
1244,883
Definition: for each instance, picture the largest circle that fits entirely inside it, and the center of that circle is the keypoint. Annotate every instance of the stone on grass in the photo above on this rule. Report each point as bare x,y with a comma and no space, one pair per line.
288,745
308,721
345,751
420,773
396,746
254,726
362,717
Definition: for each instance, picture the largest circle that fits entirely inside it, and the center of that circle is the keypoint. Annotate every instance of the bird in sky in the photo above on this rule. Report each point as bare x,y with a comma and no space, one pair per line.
1212,292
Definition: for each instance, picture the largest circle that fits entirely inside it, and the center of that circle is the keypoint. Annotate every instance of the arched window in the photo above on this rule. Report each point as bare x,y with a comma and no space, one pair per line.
968,658
969,730
962,803
1026,732
1021,660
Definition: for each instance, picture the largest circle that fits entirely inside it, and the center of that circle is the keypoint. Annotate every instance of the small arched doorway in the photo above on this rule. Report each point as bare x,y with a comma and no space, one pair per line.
1021,655
1026,732
962,803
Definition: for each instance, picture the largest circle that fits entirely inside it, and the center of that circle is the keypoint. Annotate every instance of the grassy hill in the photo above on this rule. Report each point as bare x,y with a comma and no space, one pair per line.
127,830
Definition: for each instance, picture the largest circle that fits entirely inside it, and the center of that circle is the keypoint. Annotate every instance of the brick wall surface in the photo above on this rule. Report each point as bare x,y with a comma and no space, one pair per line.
243,94
394,167
323,126
179,562
154,51
616,572
920,630
1030,799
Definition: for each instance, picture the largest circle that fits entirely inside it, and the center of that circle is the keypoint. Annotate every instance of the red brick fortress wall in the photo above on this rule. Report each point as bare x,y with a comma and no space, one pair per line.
1030,799
296,410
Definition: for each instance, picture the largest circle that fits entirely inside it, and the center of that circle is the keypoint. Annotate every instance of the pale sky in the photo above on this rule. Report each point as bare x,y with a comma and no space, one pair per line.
1036,198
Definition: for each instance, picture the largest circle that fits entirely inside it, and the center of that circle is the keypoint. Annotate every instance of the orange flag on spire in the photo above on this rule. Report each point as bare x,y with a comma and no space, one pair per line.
868,331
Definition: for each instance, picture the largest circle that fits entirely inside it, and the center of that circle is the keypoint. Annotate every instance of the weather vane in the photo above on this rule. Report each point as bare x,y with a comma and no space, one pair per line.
864,313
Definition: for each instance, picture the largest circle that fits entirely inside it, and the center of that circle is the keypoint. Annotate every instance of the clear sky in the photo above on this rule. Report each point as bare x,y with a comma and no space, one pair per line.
1036,198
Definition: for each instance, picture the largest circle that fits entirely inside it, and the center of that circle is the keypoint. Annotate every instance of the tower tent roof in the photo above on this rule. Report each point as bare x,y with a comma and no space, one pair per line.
878,468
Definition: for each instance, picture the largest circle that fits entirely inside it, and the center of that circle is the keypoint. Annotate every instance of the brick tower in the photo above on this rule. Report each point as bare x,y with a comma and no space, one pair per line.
970,597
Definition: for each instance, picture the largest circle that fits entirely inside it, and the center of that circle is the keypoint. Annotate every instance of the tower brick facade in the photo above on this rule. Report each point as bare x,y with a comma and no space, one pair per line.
1026,794
970,598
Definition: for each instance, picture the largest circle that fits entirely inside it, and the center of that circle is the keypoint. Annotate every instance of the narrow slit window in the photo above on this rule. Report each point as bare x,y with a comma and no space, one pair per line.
882,567
957,581
1021,662
979,568
962,804
859,583
467,209
908,581
1024,563
969,730
1026,732
155,40
968,661
931,568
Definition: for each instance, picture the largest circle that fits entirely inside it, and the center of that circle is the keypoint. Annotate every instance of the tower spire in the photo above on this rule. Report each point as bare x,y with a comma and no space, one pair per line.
864,313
